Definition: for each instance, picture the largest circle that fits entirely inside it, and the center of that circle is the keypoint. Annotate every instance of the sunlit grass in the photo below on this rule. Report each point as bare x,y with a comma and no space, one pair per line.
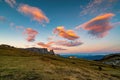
24,65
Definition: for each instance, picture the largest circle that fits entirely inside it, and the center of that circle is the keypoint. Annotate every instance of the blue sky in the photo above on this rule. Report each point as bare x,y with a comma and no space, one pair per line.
19,24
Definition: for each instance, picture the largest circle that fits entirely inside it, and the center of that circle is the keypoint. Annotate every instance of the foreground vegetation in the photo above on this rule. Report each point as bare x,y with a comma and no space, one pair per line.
51,67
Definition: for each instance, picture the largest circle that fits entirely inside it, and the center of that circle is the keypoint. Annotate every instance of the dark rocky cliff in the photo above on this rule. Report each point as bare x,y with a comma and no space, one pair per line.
33,49
41,50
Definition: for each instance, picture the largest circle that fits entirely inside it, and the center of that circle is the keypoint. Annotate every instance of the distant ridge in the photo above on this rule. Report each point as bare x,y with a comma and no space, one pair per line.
111,59
11,50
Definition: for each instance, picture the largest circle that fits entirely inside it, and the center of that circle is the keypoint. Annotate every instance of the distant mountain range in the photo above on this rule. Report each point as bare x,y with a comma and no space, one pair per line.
111,59
85,56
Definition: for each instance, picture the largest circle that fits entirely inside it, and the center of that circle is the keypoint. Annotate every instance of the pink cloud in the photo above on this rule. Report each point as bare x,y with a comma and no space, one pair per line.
69,43
12,3
67,34
98,26
31,34
34,12
54,45
57,48
49,46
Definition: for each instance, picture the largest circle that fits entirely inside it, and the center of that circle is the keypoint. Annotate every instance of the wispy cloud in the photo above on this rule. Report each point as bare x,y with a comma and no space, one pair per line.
58,48
12,3
116,24
34,12
98,26
95,7
68,43
60,44
12,24
49,46
31,34
2,18
67,34
50,38
16,27
45,45
19,27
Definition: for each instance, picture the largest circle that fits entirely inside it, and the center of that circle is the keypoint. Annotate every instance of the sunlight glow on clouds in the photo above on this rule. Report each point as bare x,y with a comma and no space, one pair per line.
34,12
67,34
31,34
91,16
98,26
68,43
49,46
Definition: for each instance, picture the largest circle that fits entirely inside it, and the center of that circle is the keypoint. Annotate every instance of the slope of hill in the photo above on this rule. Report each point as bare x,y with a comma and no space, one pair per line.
112,59
12,51
18,64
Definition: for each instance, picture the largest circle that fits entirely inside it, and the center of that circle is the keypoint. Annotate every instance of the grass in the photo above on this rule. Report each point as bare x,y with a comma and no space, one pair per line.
49,67
23,65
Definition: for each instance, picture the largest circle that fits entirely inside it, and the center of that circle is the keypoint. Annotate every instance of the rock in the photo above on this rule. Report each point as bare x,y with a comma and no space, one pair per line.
112,59
41,50
52,52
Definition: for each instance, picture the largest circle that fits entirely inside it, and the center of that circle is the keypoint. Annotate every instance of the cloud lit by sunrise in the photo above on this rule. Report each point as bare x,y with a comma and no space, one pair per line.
34,12
49,46
87,24
98,26
68,43
31,34
67,34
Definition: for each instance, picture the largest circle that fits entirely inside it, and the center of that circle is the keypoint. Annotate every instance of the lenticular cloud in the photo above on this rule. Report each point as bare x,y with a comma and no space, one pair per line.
67,34
98,26
34,12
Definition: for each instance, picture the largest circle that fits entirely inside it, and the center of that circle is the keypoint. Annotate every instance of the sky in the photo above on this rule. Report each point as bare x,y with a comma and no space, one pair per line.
66,26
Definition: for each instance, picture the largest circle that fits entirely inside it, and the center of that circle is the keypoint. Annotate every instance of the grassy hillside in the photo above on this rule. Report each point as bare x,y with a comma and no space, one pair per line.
112,59
16,66
12,51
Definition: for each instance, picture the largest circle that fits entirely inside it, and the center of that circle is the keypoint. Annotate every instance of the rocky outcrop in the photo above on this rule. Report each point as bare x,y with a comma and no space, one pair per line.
112,59
51,52
112,62
41,50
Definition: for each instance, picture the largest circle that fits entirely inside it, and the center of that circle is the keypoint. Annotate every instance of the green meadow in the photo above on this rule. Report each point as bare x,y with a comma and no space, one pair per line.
17,64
